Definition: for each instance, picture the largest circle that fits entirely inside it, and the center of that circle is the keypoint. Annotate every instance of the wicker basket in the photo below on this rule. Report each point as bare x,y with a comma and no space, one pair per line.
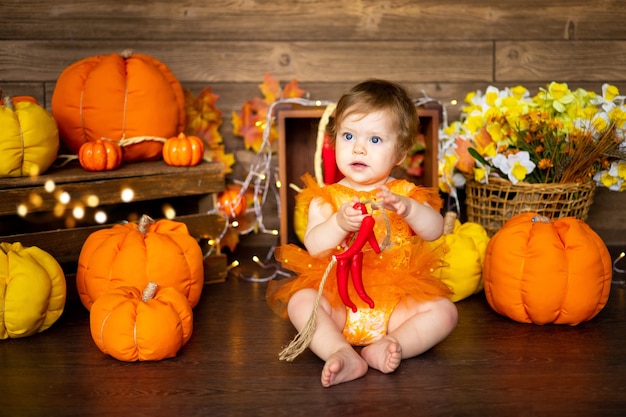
491,205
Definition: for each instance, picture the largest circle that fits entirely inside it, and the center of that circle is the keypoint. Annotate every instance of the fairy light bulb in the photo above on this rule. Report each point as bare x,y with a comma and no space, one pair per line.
78,212
100,217
127,195
49,186
169,212
22,210
92,200
58,210
64,197
35,199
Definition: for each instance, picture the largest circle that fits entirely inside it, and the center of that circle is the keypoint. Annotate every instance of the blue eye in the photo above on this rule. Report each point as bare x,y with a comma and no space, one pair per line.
376,139
347,136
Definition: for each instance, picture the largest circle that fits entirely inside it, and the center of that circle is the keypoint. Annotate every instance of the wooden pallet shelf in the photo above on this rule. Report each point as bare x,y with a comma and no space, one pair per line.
50,225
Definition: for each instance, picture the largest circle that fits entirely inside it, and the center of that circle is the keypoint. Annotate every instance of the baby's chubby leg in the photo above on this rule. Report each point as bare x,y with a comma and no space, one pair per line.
413,329
343,363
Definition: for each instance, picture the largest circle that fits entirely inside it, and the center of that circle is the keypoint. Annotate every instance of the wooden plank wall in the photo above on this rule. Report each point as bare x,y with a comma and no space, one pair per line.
439,48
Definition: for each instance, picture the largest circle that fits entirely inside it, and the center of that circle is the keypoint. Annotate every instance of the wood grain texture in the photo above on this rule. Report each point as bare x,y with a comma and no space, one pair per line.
564,61
247,61
148,180
488,366
311,20
442,49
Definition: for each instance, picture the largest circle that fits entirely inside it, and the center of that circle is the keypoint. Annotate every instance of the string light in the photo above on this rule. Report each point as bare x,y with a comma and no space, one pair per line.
92,200
22,210
64,197
35,199
169,212
78,212
100,217
619,258
263,181
127,195
49,186
619,270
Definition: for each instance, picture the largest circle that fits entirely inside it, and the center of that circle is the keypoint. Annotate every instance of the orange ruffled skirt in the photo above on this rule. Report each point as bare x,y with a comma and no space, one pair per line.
401,271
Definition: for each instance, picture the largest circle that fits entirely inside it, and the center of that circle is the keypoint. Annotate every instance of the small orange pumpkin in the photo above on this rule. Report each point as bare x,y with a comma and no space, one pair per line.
134,254
543,271
100,155
231,203
131,325
183,150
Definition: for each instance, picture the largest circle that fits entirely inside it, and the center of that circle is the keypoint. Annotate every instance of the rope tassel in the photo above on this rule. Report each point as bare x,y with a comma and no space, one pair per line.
305,335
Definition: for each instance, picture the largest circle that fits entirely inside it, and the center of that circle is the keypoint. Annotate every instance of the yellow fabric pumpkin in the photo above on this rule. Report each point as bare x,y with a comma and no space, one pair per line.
29,138
465,258
32,290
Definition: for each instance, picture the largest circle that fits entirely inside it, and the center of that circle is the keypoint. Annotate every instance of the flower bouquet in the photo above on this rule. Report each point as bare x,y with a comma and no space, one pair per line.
515,152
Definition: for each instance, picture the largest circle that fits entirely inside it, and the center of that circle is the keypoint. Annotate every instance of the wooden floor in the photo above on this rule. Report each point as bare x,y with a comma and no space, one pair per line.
489,366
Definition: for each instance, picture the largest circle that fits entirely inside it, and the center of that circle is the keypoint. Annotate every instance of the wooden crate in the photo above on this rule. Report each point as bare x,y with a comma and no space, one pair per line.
50,224
297,137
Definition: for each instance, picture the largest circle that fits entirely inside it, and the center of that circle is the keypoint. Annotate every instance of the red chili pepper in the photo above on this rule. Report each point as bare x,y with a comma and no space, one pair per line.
355,256
342,283
356,267
365,234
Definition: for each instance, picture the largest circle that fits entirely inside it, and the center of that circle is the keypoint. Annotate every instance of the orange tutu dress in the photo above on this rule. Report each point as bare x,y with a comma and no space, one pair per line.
406,267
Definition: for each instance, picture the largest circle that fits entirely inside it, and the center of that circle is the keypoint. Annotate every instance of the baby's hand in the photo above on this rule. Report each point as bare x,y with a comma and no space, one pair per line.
350,218
393,202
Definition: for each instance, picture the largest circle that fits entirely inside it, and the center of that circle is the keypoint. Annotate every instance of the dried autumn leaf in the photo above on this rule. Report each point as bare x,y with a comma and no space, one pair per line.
291,90
270,89
229,240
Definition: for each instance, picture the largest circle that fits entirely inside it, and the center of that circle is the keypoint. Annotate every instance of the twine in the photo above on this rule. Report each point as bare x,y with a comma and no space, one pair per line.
304,337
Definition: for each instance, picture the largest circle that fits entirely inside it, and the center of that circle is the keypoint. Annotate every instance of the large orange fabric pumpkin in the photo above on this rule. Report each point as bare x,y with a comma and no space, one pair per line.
29,138
134,254
542,271
122,97
131,325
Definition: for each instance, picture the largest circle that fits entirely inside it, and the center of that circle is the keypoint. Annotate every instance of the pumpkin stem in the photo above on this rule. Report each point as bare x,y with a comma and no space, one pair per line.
144,223
540,219
127,53
7,101
148,292
448,222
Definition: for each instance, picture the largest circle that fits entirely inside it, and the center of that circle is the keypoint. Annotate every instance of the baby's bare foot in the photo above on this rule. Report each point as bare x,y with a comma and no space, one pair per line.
343,366
384,355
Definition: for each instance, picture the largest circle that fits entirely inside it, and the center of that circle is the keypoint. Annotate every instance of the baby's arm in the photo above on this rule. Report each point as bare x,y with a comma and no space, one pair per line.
327,230
425,221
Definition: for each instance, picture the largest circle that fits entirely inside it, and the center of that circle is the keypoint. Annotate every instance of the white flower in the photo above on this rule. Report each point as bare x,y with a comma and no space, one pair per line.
515,166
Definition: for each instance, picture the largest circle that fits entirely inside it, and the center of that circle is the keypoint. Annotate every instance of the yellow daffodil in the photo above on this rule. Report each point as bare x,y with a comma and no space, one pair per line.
527,138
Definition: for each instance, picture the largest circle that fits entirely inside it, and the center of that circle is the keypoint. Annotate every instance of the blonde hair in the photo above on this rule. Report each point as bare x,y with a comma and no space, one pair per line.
379,95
